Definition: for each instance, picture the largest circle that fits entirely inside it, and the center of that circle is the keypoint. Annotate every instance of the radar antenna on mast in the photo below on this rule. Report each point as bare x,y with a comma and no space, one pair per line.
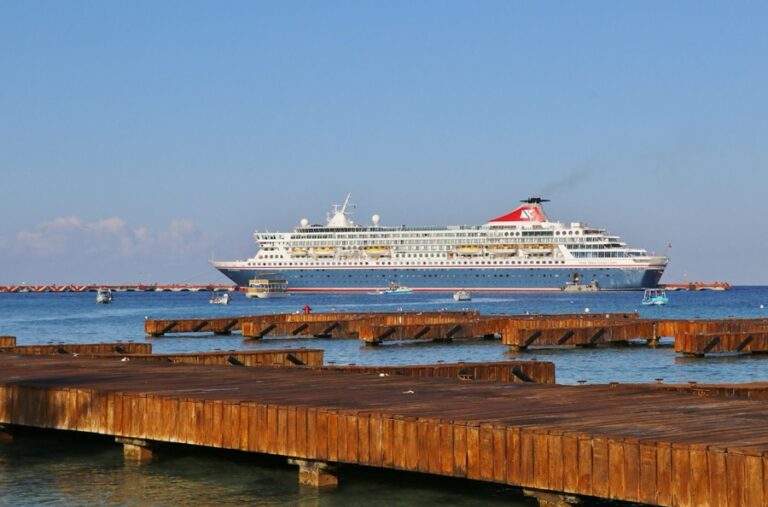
534,200
338,217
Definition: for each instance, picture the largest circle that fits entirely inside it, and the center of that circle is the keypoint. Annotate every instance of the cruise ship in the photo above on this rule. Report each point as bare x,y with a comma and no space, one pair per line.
519,251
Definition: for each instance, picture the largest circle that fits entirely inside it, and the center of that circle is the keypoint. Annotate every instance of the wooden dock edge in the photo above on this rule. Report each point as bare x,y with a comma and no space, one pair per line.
557,462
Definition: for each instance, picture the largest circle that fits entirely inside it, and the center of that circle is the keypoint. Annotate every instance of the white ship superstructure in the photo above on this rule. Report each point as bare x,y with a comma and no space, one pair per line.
521,250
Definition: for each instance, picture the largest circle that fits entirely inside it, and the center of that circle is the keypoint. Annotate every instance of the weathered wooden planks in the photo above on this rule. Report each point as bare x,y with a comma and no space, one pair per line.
221,326
502,371
340,325
579,333
430,330
751,390
80,348
271,357
681,327
633,443
289,324
7,341
451,328
744,342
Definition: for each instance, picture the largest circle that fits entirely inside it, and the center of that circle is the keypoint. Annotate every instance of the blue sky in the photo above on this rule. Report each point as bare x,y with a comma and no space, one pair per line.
137,139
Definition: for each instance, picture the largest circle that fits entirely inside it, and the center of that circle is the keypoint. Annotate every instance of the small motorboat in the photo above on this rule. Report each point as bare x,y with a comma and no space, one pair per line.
395,288
575,286
219,298
103,296
462,295
655,297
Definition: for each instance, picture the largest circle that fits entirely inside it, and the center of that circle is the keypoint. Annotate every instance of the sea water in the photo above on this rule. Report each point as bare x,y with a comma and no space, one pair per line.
62,469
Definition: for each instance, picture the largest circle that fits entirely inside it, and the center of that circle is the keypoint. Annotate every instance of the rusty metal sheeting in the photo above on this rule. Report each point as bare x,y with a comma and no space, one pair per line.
7,341
631,443
121,348
501,371
745,342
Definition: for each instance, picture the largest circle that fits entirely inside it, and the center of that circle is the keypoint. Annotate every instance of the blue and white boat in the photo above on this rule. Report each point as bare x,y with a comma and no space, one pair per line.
395,289
655,297
519,251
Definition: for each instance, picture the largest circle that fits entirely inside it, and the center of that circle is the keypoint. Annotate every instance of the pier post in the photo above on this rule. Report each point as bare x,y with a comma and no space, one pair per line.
136,450
318,474
5,433
551,499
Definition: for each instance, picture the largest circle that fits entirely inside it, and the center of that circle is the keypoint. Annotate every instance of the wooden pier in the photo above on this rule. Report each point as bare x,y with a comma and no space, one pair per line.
580,334
742,342
634,443
518,372
122,348
7,341
291,324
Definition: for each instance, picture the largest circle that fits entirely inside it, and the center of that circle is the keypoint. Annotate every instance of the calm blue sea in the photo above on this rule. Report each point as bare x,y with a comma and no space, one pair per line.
55,469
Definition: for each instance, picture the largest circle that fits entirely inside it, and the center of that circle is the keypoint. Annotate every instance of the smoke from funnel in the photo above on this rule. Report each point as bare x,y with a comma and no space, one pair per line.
570,181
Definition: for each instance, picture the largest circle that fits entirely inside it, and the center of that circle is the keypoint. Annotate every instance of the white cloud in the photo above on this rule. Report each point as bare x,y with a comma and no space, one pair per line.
62,223
71,236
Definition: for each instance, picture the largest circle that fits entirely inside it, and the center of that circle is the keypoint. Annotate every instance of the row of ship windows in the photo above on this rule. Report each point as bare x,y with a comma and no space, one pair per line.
445,275
437,234
408,263
590,255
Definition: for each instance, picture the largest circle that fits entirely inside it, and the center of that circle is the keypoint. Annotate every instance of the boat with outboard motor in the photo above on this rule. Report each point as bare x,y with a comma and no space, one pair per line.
103,296
219,298
462,295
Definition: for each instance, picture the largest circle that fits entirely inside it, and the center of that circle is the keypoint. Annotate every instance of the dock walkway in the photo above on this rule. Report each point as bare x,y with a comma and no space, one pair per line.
634,443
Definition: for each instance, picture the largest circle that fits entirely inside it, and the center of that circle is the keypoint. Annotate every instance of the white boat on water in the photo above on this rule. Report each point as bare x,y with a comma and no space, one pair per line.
266,288
219,298
103,296
655,297
462,295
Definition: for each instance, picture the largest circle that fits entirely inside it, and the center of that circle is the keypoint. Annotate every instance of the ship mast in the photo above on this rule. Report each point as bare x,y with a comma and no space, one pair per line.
338,218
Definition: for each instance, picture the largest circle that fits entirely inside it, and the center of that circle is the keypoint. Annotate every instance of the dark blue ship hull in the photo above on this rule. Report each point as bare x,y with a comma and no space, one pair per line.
485,279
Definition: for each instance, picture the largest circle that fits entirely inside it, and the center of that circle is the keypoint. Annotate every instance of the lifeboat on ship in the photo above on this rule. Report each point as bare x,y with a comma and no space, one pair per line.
502,250
537,249
323,251
469,250
378,251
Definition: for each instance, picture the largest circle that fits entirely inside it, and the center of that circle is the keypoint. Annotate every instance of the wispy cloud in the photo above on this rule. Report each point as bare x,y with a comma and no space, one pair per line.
71,236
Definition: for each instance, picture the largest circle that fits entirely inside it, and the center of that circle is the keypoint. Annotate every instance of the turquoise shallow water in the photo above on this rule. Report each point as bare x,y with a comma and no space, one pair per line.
59,469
